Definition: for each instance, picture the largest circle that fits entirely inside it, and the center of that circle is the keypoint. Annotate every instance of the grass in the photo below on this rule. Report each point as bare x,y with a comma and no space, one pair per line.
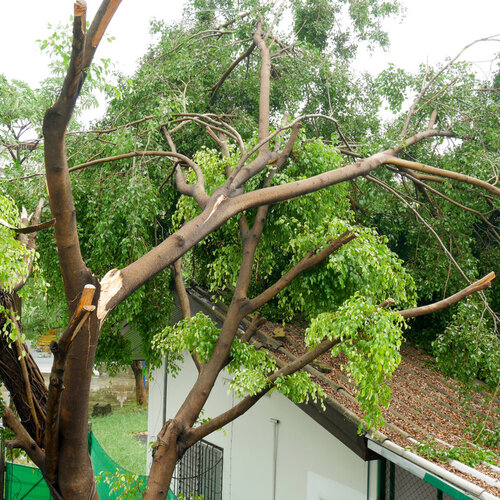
115,432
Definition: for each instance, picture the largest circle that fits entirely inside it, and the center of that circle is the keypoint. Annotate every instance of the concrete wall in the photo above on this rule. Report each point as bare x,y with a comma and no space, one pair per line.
311,464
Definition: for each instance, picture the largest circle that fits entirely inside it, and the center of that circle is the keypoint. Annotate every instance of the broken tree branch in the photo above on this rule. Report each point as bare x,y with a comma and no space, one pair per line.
413,165
477,286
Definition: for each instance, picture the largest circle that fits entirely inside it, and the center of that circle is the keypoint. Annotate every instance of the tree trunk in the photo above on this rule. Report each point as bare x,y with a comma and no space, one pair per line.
165,456
75,474
140,391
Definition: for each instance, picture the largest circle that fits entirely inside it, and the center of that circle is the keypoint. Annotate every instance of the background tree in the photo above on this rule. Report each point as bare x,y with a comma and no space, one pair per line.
254,179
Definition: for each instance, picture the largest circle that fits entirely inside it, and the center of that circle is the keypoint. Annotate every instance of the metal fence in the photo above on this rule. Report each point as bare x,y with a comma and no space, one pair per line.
199,472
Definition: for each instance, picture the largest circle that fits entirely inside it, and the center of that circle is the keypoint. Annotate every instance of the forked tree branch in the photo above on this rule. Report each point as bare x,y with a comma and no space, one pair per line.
73,270
160,257
197,433
240,307
217,121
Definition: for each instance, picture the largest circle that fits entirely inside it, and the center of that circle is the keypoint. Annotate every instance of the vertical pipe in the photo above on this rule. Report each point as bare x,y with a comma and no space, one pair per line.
275,422
164,402
368,481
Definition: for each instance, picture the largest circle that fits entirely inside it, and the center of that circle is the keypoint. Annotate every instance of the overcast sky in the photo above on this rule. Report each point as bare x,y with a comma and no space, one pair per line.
432,30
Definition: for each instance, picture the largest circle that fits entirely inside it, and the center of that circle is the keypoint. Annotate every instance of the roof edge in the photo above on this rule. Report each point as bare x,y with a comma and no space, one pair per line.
426,470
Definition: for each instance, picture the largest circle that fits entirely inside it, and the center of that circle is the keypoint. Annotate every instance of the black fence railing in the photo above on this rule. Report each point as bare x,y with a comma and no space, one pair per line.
199,472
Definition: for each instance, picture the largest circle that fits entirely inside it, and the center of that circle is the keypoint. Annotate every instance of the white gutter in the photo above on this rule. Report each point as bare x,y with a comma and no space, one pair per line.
426,470
474,473
469,470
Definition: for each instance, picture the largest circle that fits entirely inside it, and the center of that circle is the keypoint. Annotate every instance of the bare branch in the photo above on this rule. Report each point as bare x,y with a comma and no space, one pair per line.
132,154
436,95
97,29
29,229
477,286
205,119
265,88
223,78
422,220
441,244
180,288
310,260
23,440
113,129
412,165
433,79
416,179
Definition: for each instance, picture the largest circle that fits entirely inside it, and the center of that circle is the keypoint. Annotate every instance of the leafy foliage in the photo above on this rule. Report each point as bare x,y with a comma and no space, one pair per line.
14,256
370,338
15,260
469,348
468,455
122,484
58,47
250,367
292,229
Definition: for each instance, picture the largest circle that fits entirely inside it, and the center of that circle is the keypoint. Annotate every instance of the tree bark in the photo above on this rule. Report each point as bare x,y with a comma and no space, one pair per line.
75,472
165,456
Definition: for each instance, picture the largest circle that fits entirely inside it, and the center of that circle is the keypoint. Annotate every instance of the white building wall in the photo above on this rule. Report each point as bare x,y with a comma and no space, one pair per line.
311,463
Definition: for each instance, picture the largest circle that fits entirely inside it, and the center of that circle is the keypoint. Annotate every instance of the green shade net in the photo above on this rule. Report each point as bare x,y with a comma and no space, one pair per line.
25,482
106,467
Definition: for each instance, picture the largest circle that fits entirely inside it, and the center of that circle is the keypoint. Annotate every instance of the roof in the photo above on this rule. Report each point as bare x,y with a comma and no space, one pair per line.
425,405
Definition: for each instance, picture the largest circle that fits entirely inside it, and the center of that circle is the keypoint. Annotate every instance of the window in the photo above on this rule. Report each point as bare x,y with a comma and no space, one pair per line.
199,472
